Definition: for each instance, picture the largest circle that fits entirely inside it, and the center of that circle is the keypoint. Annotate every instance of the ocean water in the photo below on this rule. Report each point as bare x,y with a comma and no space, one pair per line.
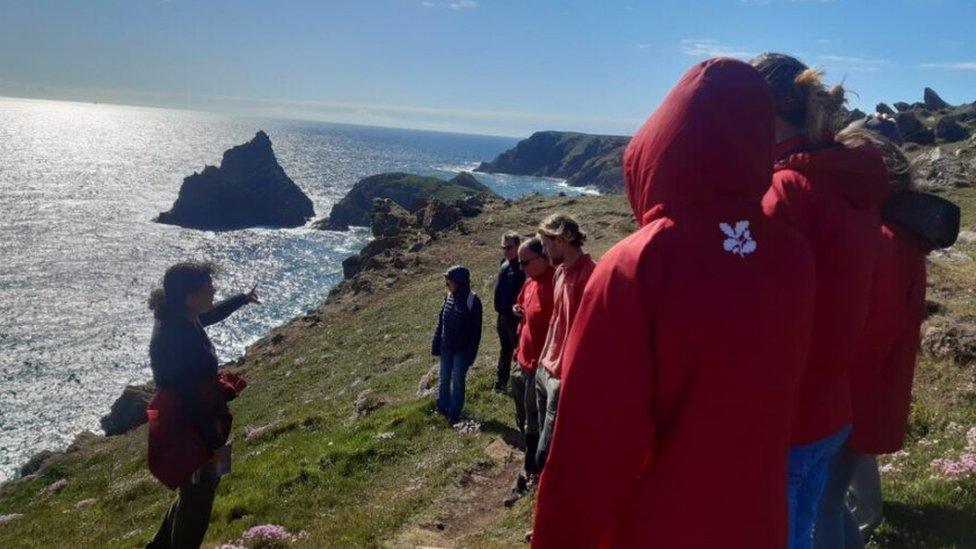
79,186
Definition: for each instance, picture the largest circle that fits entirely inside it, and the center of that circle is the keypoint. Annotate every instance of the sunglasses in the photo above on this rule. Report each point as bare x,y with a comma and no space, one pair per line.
508,246
524,262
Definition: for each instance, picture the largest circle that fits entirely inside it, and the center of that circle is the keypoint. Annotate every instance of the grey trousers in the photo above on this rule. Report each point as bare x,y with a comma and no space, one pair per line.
547,398
850,509
523,393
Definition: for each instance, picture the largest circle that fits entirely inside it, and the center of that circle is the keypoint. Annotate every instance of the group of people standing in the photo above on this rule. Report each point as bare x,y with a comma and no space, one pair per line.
754,341
722,373
715,380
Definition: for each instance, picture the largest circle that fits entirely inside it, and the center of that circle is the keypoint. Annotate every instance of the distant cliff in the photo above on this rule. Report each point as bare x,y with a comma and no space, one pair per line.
249,189
582,159
407,190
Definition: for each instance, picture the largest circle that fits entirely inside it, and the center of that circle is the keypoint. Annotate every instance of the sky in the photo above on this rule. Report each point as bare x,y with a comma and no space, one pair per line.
502,67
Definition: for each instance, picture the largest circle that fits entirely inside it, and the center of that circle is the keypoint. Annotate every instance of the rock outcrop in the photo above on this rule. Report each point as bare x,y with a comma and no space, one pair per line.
912,130
249,189
948,129
582,159
933,101
129,410
883,108
408,191
952,340
940,170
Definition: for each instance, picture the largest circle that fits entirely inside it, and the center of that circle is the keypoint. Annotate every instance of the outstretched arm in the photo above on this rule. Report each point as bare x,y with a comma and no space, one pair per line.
224,309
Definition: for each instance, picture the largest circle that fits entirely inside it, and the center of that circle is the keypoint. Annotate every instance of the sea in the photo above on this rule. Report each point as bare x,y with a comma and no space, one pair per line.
80,184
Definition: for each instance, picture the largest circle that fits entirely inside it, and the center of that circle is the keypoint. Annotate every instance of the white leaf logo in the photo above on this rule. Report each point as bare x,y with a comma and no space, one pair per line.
738,239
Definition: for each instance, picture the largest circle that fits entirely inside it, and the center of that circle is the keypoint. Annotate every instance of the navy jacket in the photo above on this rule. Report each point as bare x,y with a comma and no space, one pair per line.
458,327
507,287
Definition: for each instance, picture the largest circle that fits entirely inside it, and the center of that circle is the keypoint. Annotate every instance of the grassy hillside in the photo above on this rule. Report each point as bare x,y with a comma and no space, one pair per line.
332,437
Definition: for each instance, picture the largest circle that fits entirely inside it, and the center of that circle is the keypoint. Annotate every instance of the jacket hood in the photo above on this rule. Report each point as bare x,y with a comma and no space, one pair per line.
711,138
858,175
459,275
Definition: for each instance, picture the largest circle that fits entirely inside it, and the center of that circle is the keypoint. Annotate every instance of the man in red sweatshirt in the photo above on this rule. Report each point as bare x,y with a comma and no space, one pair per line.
534,306
563,241
679,372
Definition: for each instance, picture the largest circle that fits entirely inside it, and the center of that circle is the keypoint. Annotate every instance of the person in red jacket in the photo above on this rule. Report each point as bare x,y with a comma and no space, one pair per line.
534,307
884,358
563,241
679,373
831,194
189,421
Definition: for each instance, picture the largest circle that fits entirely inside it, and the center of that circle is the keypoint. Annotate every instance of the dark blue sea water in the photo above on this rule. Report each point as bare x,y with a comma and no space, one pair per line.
79,185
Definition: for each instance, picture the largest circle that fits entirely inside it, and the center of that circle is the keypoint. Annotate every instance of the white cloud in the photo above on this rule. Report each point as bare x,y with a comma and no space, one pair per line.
708,47
643,46
456,5
959,66
854,63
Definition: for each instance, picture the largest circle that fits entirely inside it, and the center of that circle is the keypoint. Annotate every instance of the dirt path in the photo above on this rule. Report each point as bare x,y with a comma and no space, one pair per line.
474,506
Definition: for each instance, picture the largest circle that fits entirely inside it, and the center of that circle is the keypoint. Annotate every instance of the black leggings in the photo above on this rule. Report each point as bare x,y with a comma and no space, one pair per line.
186,522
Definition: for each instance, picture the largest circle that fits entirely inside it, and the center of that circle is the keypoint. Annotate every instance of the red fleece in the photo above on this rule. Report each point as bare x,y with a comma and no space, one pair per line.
536,301
884,359
831,194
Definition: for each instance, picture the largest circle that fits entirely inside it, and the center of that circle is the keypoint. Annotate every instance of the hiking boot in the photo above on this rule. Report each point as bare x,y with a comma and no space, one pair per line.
518,490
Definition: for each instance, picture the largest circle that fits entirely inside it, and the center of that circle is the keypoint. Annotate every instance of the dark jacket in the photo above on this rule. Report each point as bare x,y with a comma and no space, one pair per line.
458,325
507,287
188,416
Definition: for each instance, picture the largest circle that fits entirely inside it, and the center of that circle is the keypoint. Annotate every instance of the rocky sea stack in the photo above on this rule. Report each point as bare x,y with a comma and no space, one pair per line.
249,189
584,160
409,191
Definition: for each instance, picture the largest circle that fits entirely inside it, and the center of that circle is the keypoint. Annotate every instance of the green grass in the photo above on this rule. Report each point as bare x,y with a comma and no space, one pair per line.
321,468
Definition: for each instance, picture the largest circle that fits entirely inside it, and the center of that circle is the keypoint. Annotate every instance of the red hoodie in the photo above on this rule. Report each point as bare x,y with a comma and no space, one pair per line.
536,301
884,359
831,194
673,421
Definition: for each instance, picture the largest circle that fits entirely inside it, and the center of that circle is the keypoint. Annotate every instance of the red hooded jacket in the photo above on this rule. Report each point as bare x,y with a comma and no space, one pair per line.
884,360
832,195
536,301
679,373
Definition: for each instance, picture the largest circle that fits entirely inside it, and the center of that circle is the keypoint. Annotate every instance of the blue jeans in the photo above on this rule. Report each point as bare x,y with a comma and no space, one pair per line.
808,467
450,395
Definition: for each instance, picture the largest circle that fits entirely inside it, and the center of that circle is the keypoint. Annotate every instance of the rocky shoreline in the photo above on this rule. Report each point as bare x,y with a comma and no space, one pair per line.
401,234
398,236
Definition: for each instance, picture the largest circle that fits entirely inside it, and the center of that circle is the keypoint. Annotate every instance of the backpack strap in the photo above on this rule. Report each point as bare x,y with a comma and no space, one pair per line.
471,297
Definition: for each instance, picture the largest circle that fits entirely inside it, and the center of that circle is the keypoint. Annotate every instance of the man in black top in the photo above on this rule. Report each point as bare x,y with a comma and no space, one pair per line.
507,288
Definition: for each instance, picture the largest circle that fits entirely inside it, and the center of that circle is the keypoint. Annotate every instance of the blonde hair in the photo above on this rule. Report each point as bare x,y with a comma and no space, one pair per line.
901,172
565,226
823,104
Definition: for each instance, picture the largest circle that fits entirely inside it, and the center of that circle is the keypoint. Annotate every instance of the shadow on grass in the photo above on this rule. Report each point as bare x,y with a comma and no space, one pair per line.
913,526
509,434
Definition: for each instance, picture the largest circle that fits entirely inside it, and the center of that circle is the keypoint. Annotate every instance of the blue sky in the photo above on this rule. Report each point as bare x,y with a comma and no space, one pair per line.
506,67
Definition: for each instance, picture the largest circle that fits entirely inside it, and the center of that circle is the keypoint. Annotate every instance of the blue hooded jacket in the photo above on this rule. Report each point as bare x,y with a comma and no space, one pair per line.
459,322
